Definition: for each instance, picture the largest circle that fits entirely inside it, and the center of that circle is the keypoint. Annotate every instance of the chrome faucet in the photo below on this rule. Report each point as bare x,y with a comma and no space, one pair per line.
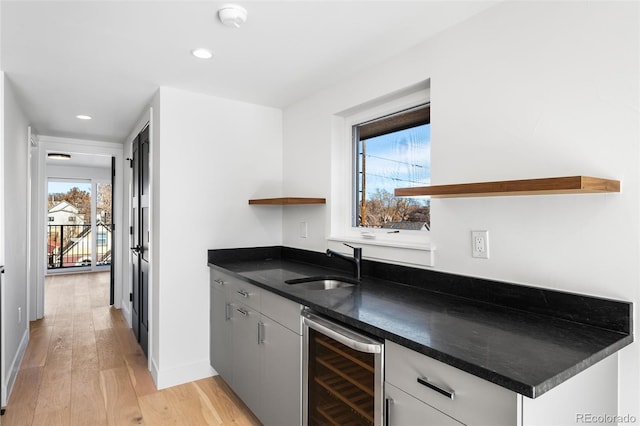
356,259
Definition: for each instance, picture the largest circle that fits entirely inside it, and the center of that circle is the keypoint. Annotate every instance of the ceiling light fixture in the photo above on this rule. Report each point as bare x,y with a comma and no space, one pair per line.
202,53
232,15
83,117
58,156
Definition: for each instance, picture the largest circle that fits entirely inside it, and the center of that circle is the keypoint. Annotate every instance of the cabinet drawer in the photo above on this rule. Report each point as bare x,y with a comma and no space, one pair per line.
475,401
220,281
246,293
405,410
281,310
236,289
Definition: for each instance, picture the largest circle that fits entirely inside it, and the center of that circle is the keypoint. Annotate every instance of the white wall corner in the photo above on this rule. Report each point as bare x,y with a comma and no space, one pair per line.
7,385
153,368
181,374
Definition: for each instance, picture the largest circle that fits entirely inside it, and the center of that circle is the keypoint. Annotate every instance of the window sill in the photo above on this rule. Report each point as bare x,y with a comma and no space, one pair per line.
399,253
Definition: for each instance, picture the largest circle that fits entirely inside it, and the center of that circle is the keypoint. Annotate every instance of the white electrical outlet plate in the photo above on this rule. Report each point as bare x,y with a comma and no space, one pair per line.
304,230
480,244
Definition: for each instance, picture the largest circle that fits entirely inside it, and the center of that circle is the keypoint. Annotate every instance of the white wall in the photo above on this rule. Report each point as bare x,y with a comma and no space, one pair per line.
523,90
2,344
209,157
155,142
14,298
2,351
307,172
102,174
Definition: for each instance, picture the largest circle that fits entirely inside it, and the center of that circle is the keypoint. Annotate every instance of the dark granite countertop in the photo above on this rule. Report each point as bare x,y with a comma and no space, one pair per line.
525,339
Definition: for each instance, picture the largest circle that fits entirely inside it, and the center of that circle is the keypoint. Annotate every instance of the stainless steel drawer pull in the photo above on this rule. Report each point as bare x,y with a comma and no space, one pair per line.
387,411
242,311
260,332
446,392
219,281
243,293
227,311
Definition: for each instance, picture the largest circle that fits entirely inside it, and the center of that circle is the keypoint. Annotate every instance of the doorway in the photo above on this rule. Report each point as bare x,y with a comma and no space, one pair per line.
89,241
140,235
79,225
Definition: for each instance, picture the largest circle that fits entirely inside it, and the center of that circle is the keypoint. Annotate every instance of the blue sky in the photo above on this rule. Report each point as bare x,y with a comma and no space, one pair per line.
400,159
62,187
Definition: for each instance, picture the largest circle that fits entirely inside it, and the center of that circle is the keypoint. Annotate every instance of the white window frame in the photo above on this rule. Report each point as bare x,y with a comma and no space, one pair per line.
406,247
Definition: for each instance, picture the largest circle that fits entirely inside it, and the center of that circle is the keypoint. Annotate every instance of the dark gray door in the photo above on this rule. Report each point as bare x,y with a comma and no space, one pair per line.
113,235
140,238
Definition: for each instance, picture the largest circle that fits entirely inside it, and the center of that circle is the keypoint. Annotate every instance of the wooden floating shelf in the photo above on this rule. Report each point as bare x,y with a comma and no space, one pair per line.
556,185
283,201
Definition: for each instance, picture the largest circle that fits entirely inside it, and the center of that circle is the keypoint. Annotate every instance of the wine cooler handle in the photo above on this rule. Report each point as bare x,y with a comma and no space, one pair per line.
343,335
387,411
446,392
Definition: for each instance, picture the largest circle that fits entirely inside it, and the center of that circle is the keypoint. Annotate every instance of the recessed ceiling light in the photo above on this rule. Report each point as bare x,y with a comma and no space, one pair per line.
58,156
83,117
202,53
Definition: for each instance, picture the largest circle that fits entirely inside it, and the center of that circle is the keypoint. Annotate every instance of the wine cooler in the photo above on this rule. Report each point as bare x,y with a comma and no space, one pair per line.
343,375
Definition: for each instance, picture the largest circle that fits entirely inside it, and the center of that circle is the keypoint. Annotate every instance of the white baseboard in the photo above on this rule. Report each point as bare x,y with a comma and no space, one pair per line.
182,374
126,312
154,372
14,367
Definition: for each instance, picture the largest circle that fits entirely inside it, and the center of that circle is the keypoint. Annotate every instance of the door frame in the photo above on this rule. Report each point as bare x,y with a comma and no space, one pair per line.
146,119
139,240
38,225
114,238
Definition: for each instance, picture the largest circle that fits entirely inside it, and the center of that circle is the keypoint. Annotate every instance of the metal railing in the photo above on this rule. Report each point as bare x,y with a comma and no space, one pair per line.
70,246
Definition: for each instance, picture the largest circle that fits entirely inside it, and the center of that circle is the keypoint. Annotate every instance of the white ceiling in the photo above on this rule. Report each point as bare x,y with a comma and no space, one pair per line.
107,58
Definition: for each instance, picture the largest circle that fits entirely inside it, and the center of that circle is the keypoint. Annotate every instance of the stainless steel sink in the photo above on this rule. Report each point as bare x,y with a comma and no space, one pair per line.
325,282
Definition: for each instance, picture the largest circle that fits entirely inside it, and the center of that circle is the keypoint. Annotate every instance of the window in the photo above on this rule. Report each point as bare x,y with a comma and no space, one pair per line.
51,219
72,218
390,116
390,152
102,239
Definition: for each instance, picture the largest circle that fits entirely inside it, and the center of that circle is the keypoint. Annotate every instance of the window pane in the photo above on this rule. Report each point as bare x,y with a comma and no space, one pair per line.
104,223
393,160
69,228
103,206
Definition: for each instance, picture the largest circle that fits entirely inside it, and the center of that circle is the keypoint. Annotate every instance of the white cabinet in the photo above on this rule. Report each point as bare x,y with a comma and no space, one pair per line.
281,375
281,352
404,409
429,380
415,386
579,400
256,346
245,356
220,329
245,293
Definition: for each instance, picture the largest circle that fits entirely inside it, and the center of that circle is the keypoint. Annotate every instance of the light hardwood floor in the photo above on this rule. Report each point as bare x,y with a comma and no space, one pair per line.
83,366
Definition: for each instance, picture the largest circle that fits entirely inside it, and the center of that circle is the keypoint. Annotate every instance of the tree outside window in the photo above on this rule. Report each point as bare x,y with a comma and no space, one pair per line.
393,151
